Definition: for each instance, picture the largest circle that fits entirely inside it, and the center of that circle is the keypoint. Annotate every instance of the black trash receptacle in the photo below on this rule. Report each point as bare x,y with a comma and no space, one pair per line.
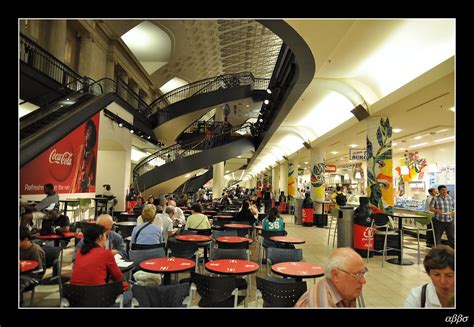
363,232
321,219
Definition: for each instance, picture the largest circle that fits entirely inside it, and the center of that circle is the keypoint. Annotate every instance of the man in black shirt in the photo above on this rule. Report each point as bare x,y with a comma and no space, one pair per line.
55,223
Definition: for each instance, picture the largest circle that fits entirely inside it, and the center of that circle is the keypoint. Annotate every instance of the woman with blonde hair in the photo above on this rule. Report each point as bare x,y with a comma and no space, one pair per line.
147,235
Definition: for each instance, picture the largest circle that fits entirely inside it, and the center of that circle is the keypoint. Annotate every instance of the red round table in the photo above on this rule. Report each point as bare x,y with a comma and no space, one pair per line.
298,270
287,239
232,266
233,239
27,265
56,237
166,266
193,238
237,226
222,217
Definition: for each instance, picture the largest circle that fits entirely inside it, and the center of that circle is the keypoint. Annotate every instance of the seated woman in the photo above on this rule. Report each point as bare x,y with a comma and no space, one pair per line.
273,222
147,235
197,220
139,206
439,265
245,214
94,264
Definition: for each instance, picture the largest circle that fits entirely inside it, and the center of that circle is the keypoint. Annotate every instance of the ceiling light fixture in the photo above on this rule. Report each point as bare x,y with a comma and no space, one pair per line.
266,101
269,91
396,130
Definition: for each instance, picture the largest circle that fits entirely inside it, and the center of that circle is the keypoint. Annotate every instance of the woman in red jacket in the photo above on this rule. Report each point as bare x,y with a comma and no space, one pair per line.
94,264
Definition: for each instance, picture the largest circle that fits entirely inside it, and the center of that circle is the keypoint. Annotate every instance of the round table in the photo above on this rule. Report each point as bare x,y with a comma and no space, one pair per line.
233,239
27,265
166,266
298,270
232,266
287,239
193,238
243,226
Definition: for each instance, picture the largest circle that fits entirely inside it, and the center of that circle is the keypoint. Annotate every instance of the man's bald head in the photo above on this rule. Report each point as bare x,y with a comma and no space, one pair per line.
106,221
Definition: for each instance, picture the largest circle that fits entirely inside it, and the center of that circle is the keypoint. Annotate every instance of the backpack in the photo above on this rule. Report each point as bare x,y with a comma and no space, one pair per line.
341,199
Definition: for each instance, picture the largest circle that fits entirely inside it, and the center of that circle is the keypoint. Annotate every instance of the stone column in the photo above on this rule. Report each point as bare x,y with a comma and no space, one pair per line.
110,67
57,38
86,55
379,164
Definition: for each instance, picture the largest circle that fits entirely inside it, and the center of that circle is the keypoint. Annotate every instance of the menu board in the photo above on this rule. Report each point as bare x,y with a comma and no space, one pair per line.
446,175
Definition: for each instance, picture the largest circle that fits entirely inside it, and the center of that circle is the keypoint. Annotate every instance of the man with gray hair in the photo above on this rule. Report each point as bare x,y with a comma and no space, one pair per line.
114,240
345,276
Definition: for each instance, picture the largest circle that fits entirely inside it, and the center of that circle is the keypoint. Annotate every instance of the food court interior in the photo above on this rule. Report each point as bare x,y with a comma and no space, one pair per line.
205,106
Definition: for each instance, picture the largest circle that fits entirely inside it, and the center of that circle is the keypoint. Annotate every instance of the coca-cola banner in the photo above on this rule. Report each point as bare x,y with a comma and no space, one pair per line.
70,164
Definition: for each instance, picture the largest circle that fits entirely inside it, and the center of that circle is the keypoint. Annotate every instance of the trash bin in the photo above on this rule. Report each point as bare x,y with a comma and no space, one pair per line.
307,211
298,211
320,219
363,233
345,227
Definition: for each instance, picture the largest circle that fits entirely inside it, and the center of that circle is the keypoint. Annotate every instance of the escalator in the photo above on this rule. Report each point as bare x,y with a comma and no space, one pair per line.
176,160
195,183
44,127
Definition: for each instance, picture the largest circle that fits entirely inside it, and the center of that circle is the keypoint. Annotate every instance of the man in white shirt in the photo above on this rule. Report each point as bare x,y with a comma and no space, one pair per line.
429,235
167,219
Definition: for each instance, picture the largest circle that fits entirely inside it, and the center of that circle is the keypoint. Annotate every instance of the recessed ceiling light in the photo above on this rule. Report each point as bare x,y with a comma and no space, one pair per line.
306,162
394,144
353,145
396,130
417,137
453,109
417,145
444,139
334,152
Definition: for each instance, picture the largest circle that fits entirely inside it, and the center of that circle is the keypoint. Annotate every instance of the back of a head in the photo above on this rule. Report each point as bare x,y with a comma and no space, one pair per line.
24,233
272,214
91,234
196,207
245,206
169,210
48,187
148,213
439,257
104,219
338,188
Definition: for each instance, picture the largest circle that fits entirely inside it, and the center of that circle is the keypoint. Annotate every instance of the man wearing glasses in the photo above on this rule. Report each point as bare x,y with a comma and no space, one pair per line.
345,276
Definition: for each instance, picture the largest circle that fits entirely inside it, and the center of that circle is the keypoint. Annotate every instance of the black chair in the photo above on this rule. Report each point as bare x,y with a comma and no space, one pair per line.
137,256
187,232
241,254
278,292
185,250
201,231
277,255
266,242
92,296
240,245
167,296
221,291
53,260
27,284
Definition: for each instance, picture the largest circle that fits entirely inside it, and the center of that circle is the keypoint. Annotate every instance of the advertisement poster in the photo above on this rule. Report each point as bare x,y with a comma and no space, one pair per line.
70,164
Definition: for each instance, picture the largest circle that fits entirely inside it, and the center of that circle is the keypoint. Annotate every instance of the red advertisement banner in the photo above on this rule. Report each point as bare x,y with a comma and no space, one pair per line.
70,164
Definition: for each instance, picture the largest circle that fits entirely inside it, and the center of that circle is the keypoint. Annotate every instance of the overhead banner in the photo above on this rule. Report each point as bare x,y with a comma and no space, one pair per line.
330,168
357,154
70,164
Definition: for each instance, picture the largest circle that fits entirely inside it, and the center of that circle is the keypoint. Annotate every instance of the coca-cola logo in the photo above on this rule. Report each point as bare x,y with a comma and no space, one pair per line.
61,161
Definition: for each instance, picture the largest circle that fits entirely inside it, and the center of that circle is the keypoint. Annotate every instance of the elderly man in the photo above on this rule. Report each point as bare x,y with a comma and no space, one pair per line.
114,240
345,277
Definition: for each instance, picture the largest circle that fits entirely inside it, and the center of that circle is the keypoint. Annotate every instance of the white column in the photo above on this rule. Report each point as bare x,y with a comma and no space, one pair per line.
293,179
283,182
317,178
218,180
276,181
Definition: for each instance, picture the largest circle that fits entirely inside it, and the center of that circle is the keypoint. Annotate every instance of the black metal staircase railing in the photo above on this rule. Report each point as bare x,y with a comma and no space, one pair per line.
40,59
206,86
178,151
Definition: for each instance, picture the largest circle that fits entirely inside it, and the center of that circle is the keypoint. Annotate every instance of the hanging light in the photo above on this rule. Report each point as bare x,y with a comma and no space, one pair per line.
405,170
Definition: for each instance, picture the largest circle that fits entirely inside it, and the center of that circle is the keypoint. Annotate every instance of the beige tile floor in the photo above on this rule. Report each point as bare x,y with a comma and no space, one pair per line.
386,287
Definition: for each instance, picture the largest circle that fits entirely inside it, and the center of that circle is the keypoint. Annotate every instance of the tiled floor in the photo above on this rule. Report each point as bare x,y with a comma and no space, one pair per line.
386,287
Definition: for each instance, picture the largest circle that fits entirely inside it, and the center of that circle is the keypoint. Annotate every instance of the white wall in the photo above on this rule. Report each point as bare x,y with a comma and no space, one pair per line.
113,162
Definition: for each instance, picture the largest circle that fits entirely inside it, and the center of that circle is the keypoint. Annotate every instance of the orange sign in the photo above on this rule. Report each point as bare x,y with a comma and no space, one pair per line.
330,168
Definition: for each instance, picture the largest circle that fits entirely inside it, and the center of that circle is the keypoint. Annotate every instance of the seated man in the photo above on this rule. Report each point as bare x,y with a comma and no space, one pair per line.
31,251
55,223
114,240
345,276
37,211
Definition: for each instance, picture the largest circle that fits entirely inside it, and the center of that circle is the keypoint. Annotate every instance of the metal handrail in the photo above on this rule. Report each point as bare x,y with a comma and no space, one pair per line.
37,57
172,152
205,86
